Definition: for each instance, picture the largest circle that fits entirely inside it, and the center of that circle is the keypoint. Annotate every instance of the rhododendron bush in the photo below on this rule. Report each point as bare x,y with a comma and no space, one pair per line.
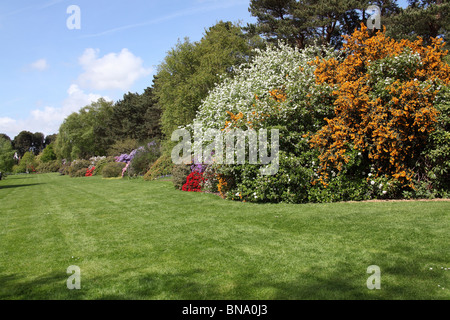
368,121
139,160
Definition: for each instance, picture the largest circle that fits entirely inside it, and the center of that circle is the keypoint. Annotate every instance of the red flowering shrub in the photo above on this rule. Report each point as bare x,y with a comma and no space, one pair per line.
194,182
90,172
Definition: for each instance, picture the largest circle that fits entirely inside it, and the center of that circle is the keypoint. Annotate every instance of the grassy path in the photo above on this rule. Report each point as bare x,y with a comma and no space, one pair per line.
143,240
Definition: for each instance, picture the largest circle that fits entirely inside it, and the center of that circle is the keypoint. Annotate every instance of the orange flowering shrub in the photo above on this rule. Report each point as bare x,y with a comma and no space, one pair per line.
384,93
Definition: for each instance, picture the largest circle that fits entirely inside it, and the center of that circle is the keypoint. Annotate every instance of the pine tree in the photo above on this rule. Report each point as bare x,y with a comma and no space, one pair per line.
424,18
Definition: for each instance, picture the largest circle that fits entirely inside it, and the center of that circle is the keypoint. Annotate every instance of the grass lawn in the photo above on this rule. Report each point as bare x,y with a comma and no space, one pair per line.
144,240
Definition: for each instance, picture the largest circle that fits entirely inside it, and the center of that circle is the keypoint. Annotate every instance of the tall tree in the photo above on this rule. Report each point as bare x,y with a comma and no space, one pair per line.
6,154
49,139
152,117
76,138
302,22
23,142
281,20
38,143
424,18
136,116
190,70
5,136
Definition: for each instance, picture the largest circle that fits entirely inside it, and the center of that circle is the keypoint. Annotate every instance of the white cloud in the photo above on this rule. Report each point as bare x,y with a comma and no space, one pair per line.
39,65
78,99
112,71
9,126
48,119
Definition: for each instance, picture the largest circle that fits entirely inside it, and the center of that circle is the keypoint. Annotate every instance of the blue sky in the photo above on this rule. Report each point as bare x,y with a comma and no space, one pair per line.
48,71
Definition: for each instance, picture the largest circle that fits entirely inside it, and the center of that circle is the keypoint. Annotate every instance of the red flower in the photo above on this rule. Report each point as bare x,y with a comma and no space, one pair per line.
193,182
90,172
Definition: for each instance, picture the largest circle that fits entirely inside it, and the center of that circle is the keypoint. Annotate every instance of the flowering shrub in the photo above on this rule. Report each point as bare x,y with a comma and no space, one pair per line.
90,172
194,182
140,159
143,159
271,90
384,93
368,122
100,163
76,166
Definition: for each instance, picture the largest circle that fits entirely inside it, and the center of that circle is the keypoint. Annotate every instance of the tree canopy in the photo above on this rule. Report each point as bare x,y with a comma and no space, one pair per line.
190,70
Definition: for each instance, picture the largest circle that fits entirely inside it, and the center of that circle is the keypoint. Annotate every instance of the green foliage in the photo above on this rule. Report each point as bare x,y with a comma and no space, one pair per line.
78,165
434,163
424,18
6,137
6,155
27,164
48,154
49,166
27,141
190,70
143,159
101,164
113,170
105,127
161,168
289,185
65,169
123,147
38,143
136,116
79,173
77,138
23,142
301,23
179,175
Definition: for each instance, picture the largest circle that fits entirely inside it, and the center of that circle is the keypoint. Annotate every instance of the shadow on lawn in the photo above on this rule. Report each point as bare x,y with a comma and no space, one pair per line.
191,285
158,286
342,283
50,286
20,185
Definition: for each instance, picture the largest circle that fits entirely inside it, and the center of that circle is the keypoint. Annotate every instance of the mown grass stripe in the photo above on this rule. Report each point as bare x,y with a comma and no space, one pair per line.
144,240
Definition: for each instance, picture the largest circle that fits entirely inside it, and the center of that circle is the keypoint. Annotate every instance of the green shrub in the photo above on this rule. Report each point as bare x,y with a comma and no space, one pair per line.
101,164
28,164
77,165
180,174
433,167
65,169
80,164
144,158
79,173
113,170
48,154
48,167
162,167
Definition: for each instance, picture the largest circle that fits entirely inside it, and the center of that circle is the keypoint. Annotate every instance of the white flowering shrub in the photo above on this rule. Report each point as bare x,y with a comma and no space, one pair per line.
277,90
282,69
